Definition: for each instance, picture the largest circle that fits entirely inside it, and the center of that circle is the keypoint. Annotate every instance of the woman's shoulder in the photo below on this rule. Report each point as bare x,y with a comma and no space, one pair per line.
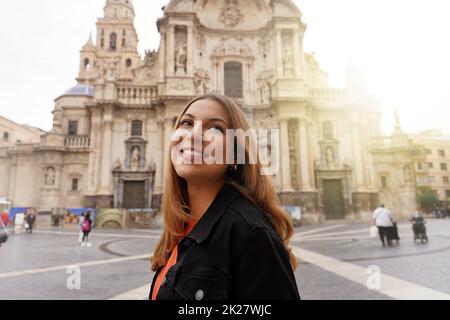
247,216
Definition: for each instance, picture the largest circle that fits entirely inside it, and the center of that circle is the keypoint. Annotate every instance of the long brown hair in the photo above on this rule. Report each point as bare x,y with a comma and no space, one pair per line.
248,180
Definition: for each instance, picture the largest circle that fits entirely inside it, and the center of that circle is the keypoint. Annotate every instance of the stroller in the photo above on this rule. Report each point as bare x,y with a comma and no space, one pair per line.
419,229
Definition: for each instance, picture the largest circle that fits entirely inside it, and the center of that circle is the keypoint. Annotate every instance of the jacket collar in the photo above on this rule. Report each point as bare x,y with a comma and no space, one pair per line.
203,228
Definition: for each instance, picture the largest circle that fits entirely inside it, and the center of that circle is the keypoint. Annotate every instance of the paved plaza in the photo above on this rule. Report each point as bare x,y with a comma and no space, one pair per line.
337,261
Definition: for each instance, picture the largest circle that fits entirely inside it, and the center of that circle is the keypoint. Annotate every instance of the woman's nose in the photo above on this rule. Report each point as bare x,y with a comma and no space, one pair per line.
197,132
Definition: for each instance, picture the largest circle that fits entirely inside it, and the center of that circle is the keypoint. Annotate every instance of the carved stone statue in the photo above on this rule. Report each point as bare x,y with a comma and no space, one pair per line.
265,92
135,159
181,59
117,165
330,155
288,65
149,59
50,176
201,87
111,71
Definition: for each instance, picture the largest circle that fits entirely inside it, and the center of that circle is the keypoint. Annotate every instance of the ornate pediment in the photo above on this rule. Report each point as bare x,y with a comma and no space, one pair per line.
233,47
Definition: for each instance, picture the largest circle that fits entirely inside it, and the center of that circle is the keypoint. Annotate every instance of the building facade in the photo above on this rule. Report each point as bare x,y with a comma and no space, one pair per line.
433,168
111,131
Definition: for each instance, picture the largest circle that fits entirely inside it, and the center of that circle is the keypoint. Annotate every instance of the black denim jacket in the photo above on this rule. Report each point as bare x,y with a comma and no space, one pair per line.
233,253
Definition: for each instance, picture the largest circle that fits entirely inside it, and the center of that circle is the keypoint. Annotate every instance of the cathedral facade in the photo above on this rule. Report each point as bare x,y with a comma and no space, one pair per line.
111,131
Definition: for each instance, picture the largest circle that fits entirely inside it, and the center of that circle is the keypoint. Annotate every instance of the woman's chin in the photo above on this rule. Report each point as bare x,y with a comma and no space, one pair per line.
203,171
191,171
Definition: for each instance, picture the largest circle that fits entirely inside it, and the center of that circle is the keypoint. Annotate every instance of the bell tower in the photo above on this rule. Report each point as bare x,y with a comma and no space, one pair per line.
114,55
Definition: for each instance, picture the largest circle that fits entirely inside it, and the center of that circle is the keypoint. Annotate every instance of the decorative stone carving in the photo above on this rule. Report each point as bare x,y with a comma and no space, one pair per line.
329,155
150,58
232,47
111,70
200,82
117,165
264,46
201,42
288,61
181,59
49,176
230,15
266,92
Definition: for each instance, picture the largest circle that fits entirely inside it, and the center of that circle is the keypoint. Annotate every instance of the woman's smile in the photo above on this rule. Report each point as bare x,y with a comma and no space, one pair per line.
192,155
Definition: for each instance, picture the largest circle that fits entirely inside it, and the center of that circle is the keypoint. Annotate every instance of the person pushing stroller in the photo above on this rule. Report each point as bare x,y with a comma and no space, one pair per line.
418,226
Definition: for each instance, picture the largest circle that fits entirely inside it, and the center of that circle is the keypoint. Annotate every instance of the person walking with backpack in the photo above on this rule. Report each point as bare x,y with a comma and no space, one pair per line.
86,228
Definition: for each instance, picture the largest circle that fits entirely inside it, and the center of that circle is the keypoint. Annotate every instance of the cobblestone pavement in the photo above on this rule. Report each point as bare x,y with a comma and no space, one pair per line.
337,261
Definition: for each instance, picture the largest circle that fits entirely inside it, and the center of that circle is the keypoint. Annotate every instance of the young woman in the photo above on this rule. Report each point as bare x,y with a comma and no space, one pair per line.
225,235
86,228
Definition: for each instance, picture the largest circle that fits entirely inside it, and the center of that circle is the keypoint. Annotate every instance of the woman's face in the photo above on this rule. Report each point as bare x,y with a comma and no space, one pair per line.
199,142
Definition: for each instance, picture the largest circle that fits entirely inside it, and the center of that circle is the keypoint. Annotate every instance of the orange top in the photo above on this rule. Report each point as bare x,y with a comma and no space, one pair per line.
172,261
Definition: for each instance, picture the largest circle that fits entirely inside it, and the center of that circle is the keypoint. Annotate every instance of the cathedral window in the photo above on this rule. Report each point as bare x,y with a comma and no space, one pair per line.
73,128
113,41
102,42
128,63
5,136
136,128
327,130
87,63
75,184
383,182
124,43
233,80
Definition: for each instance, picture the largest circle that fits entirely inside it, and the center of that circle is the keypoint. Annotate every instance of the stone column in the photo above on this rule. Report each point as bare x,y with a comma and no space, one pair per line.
168,126
160,160
106,180
279,53
190,51
297,56
216,76
286,185
357,157
162,57
304,156
12,180
94,154
170,50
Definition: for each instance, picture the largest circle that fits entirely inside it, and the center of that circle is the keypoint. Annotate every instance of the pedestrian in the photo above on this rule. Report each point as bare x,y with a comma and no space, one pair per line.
225,235
5,218
86,228
80,223
31,218
382,219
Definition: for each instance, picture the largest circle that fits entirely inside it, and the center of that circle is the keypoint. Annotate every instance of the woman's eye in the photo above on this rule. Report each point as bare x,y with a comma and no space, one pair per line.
185,123
218,128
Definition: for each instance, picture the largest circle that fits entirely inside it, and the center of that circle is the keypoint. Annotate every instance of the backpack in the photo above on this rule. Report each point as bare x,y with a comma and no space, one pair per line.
86,226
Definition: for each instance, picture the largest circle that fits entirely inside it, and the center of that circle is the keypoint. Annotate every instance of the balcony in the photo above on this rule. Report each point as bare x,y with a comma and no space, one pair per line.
77,142
137,95
381,143
327,96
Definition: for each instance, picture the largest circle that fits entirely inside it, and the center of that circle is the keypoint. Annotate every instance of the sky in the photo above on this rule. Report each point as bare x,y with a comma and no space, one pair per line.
402,48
